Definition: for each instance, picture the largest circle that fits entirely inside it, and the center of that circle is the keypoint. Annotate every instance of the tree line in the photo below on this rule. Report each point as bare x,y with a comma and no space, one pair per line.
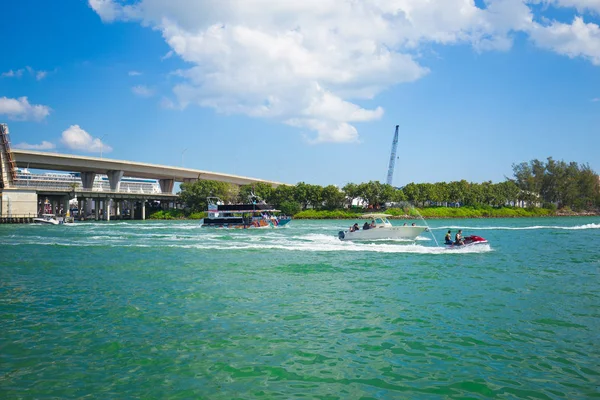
551,184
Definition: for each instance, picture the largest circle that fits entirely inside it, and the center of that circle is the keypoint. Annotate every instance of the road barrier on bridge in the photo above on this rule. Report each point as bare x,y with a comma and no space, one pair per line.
18,219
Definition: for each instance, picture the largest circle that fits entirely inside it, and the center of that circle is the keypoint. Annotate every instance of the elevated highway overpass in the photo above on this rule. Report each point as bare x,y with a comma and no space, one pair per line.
20,196
118,168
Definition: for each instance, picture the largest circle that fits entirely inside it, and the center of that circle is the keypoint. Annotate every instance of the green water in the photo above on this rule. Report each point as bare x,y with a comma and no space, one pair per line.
170,310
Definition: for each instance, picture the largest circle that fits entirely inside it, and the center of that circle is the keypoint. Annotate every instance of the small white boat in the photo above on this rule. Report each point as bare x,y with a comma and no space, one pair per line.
48,219
383,229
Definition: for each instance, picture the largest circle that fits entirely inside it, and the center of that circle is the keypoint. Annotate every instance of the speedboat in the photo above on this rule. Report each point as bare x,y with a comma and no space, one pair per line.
382,230
48,219
468,241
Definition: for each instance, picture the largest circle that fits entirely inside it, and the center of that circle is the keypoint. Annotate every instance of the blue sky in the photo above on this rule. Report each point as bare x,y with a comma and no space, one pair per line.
307,92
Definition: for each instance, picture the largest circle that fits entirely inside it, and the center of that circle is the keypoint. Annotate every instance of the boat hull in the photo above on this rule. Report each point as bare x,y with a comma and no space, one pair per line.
382,233
45,221
468,242
262,224
282,222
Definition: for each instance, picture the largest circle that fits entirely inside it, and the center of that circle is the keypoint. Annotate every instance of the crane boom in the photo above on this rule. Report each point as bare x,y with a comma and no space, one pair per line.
390,174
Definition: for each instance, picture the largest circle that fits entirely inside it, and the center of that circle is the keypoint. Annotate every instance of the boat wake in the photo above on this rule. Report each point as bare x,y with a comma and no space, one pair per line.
217,240
521,228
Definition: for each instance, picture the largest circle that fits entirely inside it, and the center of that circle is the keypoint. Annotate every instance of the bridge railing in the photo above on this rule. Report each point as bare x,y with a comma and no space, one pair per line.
69,187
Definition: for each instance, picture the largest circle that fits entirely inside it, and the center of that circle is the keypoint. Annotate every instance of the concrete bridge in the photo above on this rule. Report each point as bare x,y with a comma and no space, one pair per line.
116,169
18,197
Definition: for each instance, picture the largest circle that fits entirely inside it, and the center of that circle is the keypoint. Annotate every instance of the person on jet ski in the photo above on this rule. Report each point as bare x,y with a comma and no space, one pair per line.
458,239
448,238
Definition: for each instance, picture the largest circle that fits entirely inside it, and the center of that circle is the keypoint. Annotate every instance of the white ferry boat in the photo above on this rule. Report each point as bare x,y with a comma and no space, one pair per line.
242,216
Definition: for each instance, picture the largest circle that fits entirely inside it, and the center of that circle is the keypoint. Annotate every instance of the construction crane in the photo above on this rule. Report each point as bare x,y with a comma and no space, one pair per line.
392,158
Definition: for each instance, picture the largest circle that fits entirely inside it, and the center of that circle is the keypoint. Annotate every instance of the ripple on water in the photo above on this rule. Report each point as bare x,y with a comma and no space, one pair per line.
163,310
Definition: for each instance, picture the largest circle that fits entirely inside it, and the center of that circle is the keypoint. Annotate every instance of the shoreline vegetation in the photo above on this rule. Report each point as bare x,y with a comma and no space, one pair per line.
538,189
410,214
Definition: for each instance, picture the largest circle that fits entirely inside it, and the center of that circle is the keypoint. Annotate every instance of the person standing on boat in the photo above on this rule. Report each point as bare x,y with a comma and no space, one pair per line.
458,239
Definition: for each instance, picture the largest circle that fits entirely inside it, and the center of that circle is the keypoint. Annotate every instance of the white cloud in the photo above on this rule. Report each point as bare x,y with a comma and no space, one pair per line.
580,5
39,75
108,10
327,131
167,103
142,91
577,39
42,146
21,110
308,63
13,74
76,138
595,99
167,56
134,73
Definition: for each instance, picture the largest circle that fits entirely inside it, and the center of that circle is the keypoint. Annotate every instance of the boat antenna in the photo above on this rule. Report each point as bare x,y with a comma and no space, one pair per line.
427,225
392,164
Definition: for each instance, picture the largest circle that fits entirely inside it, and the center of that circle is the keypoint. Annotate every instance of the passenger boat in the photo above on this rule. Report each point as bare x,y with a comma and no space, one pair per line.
47,219
383,229
242,216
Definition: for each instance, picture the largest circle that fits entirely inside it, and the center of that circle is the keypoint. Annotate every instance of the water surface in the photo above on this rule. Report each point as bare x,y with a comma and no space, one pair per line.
170,310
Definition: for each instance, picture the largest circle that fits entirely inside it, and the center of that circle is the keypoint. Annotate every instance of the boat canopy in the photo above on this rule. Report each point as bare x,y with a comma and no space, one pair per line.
376,215
246,207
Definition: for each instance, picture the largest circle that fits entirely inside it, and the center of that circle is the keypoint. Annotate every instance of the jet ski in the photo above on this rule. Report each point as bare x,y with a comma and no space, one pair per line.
468,241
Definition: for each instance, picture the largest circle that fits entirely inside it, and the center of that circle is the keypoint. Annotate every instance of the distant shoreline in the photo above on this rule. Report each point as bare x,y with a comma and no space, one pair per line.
411,217
446,213
465,214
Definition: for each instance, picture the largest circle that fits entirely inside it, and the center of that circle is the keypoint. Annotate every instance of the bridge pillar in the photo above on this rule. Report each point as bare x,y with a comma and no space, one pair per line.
66,206
114,178
88,207
87,179
166,185
107,207
143,209
97,208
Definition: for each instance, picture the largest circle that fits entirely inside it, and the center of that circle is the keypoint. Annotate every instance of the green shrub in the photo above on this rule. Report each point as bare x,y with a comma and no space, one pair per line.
289,207
314,214
406,212
198,215
168,214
